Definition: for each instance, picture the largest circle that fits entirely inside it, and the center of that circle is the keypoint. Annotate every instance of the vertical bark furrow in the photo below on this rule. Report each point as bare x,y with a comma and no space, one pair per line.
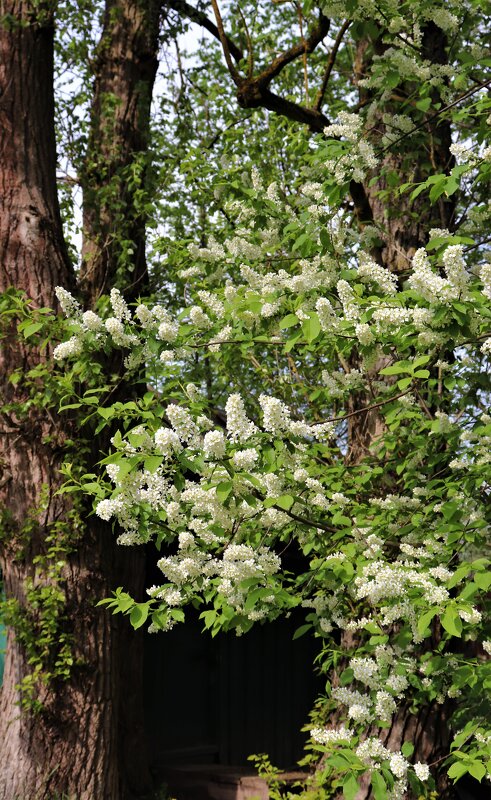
120,120
84,743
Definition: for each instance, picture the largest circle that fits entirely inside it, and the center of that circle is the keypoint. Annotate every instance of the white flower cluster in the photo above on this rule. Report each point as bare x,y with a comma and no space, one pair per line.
245,459
326,736
430,285
183,423
381,580
167,442
276,415
72,347
192,567
68,304
119,306
485,275
214,444
368,270
115,328
373,753
239,426
355,163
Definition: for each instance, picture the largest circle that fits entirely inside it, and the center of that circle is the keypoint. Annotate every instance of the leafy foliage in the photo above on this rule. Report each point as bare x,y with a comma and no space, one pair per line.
315,431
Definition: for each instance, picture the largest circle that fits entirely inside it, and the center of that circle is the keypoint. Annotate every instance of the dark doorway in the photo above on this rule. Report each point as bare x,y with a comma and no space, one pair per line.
217,701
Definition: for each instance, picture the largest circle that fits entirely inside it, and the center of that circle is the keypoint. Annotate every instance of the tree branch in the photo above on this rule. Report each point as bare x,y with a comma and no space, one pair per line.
438,113
302,47
254,92
252,95
201,19
224,40
330,64
362,410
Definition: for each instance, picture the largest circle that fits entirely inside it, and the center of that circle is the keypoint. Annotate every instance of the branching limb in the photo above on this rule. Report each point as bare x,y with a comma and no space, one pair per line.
303,47
330,64
254,92
224,40
251,95
363,409
195,15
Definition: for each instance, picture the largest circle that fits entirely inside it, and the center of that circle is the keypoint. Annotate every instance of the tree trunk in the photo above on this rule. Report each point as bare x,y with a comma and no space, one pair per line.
404,227
115,174
404,224
87,740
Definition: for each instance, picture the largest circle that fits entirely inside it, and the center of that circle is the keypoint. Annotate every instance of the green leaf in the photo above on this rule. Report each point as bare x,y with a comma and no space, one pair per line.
346,676
105,413
152,463
209,617
290,344
438,188
379,787
285,501
311,327
31,329
483,580
397,368
351,787
457,770
289,321
420,360
407,749
301,631
425,620
420,188
138,615
452,622
223,490
477,770
302,239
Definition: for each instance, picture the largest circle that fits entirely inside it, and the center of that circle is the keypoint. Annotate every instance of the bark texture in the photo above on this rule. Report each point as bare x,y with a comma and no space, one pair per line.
115,172
87,742
403,224
404,227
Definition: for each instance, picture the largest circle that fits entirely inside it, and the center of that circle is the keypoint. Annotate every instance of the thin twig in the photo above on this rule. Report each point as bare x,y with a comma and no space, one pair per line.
238,80
201,19
330,64
305,521
429,119
250,49
362,410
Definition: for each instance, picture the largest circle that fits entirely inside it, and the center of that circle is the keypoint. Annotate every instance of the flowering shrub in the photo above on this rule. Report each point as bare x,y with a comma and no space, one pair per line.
392,545
348,425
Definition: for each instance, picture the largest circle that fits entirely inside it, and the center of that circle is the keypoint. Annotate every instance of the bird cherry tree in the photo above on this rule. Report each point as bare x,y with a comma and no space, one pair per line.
346,422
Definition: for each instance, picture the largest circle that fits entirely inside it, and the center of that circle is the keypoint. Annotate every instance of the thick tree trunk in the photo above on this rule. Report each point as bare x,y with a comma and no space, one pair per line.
403,224
87,741
404,227
115,173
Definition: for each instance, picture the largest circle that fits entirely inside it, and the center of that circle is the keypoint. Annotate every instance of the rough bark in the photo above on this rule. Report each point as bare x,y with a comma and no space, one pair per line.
87,742
115,171
404,227
403,224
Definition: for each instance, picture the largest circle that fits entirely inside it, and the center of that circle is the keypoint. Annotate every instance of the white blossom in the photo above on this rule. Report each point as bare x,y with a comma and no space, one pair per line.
214,444
422,771
239,427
